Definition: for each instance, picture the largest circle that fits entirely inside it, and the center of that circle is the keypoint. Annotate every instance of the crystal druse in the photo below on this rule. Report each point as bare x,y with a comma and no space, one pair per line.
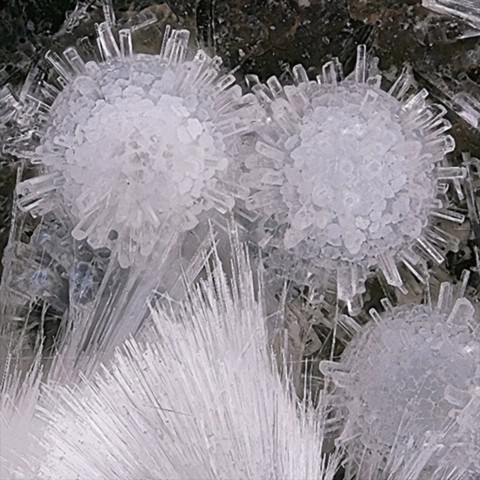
410,378
136,146
140,174
344,177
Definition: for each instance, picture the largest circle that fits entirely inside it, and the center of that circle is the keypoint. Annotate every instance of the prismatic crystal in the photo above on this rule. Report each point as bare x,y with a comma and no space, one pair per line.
136,147
344,177
409,380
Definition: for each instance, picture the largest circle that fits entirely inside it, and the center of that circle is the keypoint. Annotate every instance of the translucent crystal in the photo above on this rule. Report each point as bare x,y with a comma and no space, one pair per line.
184,403
468,107
138,143
468,10
343,174
410,375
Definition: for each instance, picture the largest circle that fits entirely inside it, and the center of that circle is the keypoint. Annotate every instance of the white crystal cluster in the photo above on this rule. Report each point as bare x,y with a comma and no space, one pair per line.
136,150
411,378
140,147
130,145
344,173
201,399
359,183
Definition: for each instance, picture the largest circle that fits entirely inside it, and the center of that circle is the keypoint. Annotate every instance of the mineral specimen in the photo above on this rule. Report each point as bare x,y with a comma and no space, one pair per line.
136,147
200,399
344,177
411,378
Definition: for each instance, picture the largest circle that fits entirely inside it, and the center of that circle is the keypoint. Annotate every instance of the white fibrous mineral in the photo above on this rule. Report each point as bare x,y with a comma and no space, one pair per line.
410,380
19,395
201,399
138,147
344,176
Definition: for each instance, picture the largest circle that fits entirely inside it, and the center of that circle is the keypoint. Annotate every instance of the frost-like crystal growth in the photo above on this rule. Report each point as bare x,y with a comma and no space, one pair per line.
201,400
344,176
139,146
411,379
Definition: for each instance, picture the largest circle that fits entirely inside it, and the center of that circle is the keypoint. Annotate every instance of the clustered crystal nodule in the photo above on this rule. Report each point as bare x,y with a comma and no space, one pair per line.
344,176
140,146
342,179
412,375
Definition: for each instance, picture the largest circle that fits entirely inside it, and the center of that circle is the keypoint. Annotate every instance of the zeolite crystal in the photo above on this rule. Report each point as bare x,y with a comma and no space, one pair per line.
344,175
357,175
200,399
409,379
139,146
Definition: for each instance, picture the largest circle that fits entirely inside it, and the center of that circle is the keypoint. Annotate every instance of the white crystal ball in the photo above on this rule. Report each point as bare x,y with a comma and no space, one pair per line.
135,152
416,372
354,178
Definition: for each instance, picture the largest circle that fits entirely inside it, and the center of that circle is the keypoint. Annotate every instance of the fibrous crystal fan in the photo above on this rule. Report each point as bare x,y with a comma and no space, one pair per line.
20,393
410,379
90,331
136,146
200,399
344,177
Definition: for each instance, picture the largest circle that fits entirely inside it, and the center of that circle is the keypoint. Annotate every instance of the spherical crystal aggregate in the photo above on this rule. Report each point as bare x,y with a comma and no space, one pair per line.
359,184
343,176
413,375
139,148
125,139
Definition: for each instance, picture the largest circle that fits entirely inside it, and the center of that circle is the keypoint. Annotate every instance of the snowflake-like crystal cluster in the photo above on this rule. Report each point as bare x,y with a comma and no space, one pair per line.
412,375
139,146
344,175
